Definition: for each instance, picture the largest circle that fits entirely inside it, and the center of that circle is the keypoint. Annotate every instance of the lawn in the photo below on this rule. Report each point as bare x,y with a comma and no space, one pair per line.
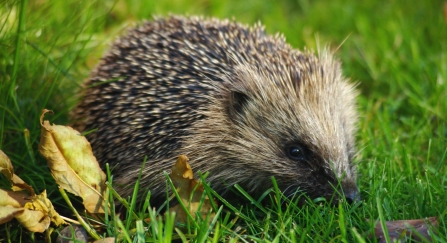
395,50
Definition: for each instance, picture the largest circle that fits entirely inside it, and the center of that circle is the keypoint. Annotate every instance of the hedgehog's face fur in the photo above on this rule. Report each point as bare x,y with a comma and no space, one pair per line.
296,124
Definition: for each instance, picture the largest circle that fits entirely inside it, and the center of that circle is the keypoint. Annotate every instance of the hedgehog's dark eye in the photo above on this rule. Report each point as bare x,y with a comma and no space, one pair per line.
295,152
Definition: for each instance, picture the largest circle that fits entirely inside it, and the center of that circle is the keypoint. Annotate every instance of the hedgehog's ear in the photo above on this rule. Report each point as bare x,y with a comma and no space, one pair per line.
237,103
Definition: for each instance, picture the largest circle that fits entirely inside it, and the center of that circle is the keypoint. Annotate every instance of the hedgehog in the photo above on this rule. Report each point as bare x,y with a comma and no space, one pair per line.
241,104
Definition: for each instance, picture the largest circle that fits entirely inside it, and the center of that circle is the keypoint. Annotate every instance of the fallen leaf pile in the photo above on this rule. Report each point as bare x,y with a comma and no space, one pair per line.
75,169
73,166
34,212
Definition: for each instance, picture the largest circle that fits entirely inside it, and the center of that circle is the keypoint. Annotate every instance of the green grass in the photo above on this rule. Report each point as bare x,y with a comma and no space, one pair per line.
396,50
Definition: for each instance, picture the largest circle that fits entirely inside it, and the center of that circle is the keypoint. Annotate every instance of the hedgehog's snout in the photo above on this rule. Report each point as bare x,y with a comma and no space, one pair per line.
352,196
351,193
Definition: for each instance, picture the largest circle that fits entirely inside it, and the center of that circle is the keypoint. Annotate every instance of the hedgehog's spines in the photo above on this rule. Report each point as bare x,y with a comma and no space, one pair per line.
168,88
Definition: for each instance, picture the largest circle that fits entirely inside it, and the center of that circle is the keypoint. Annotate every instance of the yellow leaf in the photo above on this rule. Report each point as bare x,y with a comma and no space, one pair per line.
72,164
33,212
35,221
105,240
11,204
14,199
183,180
7,170
7,213
41,203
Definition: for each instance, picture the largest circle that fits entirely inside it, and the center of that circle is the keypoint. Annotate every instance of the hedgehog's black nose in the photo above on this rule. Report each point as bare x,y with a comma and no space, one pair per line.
352,195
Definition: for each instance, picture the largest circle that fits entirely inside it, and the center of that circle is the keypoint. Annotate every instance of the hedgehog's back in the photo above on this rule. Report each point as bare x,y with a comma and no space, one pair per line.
146,91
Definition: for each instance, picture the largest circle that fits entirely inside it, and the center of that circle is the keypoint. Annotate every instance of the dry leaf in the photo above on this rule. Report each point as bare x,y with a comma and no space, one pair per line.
14,199
41,203
11,204
34,221
33,212
105,240
7,213
403,229
183,180
7,170
72,164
